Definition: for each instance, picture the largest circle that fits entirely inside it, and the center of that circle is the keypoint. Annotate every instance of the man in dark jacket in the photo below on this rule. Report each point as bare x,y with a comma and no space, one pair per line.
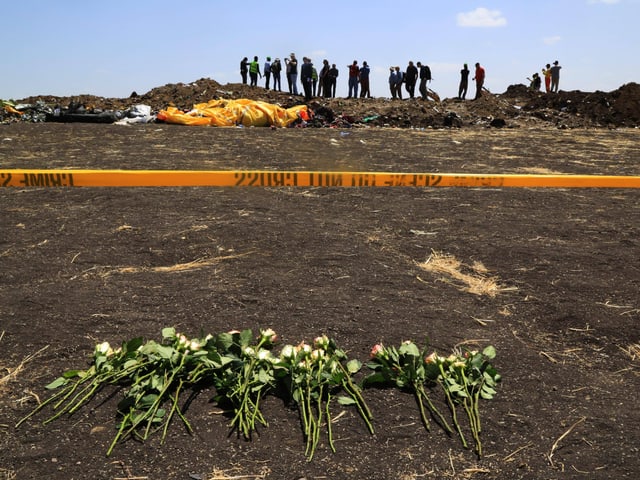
333,77
306,76
410,77
244,69
425,76
276,68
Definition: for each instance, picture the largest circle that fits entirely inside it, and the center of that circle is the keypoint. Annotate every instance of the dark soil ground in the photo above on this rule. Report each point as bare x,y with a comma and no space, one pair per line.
78,267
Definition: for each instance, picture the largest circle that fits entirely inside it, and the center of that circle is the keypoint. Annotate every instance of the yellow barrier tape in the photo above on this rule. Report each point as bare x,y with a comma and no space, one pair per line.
267,178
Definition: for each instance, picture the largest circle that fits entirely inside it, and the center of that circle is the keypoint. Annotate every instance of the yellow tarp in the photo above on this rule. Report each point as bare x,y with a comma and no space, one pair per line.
229,113
9,109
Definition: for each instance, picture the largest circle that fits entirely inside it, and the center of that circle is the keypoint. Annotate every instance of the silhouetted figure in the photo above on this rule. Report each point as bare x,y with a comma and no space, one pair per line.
464,82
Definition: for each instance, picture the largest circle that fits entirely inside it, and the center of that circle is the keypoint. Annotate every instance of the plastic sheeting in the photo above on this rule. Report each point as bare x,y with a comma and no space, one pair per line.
230,113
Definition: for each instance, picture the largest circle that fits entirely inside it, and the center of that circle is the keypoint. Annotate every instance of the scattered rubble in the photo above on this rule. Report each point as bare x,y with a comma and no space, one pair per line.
518,106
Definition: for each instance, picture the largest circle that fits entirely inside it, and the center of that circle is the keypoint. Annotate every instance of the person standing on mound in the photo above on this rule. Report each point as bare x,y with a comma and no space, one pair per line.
479,78
547,78
464,82
555,76
244,69
254,71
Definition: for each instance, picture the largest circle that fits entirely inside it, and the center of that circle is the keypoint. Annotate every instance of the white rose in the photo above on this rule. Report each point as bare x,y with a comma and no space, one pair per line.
103,348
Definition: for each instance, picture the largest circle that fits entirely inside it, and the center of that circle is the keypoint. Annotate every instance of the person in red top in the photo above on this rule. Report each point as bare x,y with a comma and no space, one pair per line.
547,77
479,78
354,78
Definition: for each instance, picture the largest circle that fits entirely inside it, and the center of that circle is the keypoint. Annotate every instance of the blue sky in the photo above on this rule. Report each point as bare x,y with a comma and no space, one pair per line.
114,47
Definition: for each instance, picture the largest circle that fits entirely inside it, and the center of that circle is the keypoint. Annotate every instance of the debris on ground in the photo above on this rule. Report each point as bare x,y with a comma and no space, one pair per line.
518,106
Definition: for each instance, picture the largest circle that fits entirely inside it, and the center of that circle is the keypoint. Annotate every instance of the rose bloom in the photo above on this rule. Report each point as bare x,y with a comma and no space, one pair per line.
233,332
317,354
303,365
288,351
194,345
321,342
304,348
269,335
433,358
263,354
104,348
333,366
249,352
377,350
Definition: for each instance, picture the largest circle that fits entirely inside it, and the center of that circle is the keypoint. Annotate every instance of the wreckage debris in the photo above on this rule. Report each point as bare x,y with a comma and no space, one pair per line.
518,106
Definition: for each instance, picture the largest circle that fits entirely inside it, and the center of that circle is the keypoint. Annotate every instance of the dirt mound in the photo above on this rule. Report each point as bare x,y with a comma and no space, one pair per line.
619,108
517,106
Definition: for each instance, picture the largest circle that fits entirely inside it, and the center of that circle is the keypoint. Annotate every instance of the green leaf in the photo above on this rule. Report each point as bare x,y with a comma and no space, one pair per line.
354,366
376,379
147,400
226,360
224,341
410,349
168,333
159,415
488,390
491,380
246,337
486,396
297,396
130,364
74,373
489,352
57,383
374,365
344,400
164,351
132,345
454,388
263,376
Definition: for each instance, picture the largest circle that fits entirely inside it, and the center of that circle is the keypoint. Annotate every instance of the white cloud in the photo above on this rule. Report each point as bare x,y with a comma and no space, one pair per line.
552,40
481,17
607,2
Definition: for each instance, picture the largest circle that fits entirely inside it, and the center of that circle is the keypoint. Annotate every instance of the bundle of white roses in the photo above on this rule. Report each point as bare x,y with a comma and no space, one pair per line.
245,375
243,369
466,377
312,374
404,367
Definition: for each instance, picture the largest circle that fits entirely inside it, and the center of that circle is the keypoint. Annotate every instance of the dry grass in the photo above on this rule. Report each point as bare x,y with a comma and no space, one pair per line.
12,373
236,474
105,271
6,474
538,171
8,375
178,267
469,278
633,351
